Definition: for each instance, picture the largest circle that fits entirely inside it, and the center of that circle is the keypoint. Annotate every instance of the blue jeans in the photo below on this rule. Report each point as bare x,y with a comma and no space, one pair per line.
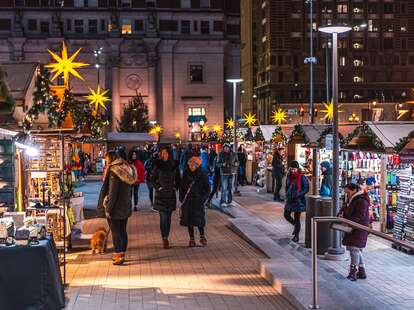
226,187
165,223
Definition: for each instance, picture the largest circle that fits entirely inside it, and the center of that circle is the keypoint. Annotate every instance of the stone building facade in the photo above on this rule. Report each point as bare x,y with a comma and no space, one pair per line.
176,53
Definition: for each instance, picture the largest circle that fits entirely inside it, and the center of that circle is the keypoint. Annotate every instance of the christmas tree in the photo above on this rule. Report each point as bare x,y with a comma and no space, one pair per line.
135,116
249,135
4,92
258,137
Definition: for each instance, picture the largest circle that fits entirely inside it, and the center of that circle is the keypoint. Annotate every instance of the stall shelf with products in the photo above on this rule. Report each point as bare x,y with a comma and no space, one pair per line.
369,158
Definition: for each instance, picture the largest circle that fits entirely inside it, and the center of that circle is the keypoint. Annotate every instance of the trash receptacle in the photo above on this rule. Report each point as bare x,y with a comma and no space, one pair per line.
311,205
269,180
320,207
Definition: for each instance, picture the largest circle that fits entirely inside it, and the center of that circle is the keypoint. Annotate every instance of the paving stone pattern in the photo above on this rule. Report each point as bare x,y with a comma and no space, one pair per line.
391,273
221,276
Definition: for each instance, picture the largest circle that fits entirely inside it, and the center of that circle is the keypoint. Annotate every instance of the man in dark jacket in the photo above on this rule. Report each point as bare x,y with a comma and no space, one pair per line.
194,191
117,201
185,156
278,170
228,163
165,178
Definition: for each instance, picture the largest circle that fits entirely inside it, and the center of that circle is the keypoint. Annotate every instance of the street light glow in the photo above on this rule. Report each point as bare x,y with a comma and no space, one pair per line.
335,29
234,81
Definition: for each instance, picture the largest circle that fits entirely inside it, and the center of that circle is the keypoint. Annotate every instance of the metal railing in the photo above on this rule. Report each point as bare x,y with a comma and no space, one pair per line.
314,234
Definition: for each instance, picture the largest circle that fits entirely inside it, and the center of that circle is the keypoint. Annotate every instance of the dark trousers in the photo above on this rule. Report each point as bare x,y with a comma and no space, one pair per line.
119,234
135,191
150,193
278,185
294,221
216,186
165,223
191,231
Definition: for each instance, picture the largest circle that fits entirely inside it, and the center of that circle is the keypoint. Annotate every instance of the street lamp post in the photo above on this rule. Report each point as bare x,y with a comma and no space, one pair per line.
97,53
235,82
335,251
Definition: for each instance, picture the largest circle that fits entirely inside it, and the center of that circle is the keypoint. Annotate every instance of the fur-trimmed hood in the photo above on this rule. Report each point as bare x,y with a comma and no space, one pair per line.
125,172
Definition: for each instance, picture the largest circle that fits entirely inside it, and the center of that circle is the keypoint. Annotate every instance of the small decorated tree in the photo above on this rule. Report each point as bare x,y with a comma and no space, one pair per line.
259,137
135,116
249,135
278,135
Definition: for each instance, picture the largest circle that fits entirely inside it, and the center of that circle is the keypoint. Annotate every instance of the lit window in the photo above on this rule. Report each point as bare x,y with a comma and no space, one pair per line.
185,4
342,61
342,8
403,29
358,97
79,3
204,3
372,26
196,74
357,45
126,26
92,3
196,111
314,26
342,95
358,79
358,62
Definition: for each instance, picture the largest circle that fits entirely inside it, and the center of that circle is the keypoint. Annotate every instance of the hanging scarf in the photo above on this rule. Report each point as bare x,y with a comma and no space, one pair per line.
296,175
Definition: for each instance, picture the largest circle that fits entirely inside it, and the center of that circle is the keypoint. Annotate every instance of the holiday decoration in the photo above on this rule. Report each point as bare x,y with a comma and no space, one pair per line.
4,93
401,113
365,131
279,116
258,136
329,110
59,92
249,119
249,135
178,137
403,142
298,131
217,128
230,123
212,136
65,65
205,129
98,98
135,116
278,135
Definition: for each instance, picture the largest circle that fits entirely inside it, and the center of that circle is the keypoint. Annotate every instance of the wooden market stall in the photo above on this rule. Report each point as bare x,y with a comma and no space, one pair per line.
370,158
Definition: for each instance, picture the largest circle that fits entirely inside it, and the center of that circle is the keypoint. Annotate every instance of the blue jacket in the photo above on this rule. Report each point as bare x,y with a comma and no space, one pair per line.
204,160
295,200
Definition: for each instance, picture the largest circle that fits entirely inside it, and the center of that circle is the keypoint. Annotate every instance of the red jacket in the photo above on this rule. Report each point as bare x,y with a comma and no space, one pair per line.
140,171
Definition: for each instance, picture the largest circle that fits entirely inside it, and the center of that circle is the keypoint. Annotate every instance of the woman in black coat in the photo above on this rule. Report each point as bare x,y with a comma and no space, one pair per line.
356,210
194,191
165,178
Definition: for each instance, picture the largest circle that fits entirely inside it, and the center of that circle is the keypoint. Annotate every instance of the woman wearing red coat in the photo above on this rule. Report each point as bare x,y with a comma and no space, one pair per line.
356,210
134,160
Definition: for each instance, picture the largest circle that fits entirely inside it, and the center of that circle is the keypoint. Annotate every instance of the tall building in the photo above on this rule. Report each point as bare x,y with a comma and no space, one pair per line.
376,59
176,53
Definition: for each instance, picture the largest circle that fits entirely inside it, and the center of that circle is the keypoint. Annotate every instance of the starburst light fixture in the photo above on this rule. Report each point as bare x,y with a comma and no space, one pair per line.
217,128
98,97
329,110
249,119
230,123
279,116
205,129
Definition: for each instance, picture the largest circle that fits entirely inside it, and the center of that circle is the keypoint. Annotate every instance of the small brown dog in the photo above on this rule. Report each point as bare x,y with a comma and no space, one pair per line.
99,241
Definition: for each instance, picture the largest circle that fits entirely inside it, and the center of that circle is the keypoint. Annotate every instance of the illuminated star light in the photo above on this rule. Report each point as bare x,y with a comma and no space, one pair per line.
205,129
65,64
329,110
217,128
230,123
250,119
279,116
98,97
401,113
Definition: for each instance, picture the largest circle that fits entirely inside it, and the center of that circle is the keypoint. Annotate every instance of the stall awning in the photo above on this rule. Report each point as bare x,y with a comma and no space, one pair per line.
19,77
130,137
196,119
269,129
379,136
6,134
344,130
308,134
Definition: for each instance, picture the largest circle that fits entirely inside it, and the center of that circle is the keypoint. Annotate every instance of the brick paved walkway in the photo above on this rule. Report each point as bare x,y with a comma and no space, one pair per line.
221,276
390,283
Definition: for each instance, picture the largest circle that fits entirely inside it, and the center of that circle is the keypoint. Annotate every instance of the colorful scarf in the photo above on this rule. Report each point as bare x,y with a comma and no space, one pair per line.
296,175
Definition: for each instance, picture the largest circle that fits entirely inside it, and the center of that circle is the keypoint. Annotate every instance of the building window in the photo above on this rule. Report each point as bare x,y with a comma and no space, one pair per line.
126,3
403,44
78,26
44,27
280,77
126,27
69,25
139,25
343,43
358,62
205,27
218,26
92,3
204,3
150,3
342,61
103,25
79,3
195,26
358,9
186,4
403,8
372,8
358,45
168,25
388,43
389,27
5,24
280,60
342,8
185,27
342,95
296,77
196,73
92,26
32,24
388,8
196,111
372,25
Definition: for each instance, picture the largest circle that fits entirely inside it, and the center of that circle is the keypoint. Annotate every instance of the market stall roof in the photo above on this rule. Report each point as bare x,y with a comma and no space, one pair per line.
6,134
269,129
379,136
308,134
130,137
344,130
19,77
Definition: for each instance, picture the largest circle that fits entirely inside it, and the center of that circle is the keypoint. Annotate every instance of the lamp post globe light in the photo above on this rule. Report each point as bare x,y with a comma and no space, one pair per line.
234,82
335,251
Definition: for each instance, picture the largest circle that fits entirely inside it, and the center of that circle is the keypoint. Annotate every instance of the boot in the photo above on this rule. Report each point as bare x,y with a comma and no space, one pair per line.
118,260
203,241
165,244
192,244
352,273
136,208
361,273
295,237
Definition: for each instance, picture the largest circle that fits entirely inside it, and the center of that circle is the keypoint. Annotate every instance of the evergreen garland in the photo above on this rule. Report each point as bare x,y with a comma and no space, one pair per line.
258,136
403,142
298,131
212,136
135,116
278,132
4,93
321,141
249,135
365,130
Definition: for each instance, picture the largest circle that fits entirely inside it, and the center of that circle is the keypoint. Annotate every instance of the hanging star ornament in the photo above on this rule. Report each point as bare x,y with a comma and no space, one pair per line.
98,97
329,110
230,123
401,113
279,116
65,65
217,128
249,119
205,129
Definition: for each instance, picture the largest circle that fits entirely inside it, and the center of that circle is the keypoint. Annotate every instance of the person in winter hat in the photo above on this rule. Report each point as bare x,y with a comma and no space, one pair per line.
115,201
297,185
357,210
326,183
194,191
228,163
278,171
136,162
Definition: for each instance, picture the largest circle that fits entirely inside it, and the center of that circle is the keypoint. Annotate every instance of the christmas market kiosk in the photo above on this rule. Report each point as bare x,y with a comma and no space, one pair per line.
371,157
